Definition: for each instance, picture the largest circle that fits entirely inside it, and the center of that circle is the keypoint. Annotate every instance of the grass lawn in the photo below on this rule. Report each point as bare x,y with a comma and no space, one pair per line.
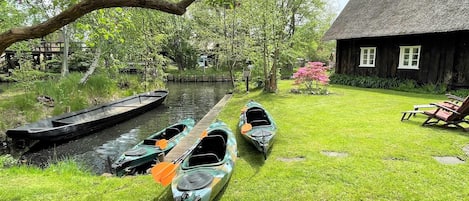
387,159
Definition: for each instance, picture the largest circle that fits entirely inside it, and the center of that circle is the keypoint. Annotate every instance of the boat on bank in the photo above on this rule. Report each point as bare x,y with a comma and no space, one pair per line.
257,126
74,124
208,167
143,155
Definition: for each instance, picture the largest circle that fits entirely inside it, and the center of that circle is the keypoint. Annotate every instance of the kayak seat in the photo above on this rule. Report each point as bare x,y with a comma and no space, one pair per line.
257,117
214,144
201,159
255,114
259,122
219,133
149,141
170,132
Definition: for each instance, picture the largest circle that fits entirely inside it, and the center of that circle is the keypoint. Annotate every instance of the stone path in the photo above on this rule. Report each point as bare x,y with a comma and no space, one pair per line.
447,160
334,154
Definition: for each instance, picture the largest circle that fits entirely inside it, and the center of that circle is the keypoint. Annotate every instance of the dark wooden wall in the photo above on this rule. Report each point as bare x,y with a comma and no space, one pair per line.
444,58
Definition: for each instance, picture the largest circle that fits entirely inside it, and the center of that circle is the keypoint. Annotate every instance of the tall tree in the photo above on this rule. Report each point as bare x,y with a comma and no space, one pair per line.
78,10
265,32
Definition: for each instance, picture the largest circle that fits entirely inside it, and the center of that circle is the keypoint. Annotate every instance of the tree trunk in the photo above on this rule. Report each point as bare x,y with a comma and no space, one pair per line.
232,75
264,51
266,75
65,52
93,66
272,87
78,10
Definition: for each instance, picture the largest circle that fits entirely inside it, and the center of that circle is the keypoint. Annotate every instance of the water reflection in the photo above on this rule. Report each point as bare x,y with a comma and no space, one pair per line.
99,149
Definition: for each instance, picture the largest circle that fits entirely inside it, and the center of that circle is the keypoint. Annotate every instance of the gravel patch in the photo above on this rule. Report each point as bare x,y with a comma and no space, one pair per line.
395,159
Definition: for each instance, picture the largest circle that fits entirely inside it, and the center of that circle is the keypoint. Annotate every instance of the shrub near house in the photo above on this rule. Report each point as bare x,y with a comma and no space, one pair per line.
314,77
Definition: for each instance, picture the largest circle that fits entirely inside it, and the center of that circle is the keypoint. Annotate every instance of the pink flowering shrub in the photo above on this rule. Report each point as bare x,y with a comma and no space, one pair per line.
313,75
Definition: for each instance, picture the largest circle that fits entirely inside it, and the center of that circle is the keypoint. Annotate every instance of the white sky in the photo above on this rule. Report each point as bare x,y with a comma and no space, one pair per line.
342,4
337,5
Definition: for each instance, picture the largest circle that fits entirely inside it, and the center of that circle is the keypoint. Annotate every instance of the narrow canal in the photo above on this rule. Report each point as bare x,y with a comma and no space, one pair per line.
100,149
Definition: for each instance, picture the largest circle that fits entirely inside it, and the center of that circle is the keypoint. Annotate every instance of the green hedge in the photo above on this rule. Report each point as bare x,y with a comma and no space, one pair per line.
364,81
390,83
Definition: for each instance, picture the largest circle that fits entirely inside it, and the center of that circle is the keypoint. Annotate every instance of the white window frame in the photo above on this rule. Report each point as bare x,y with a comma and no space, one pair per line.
366,57
409,63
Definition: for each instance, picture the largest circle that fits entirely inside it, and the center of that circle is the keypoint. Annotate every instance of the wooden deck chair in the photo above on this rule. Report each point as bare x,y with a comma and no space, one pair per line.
454,101
455,98
448,115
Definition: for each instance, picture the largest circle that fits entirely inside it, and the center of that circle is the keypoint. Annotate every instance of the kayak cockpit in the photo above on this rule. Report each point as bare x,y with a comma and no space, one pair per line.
257,117
211,149
167,134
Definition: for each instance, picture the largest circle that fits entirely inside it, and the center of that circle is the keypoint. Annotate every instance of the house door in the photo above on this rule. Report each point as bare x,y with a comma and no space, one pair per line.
461,64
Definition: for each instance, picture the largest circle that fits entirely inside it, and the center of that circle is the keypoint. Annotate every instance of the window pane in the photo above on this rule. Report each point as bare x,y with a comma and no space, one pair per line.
367,56
409,57
364,56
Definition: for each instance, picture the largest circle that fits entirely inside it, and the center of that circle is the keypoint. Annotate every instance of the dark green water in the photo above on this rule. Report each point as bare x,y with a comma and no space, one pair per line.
184,100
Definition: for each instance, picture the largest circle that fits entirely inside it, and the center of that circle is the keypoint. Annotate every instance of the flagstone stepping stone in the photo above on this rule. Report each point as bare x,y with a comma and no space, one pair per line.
449,160
334,154
466,149
294,159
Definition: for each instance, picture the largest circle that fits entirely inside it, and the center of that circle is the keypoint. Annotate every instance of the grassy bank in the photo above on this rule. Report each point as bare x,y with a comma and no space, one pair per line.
20,104
387,159
68,181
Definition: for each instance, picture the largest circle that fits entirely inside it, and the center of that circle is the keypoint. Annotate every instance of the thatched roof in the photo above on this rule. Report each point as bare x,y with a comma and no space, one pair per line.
374,18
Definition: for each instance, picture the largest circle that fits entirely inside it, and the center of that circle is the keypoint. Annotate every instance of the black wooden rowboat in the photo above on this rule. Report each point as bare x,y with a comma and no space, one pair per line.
74,124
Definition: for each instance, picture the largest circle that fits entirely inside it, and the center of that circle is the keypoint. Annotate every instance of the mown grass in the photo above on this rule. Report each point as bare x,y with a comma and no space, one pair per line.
66,180
387,159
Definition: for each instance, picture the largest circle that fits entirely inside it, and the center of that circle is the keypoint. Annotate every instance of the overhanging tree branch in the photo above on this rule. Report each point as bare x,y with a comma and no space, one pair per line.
78,10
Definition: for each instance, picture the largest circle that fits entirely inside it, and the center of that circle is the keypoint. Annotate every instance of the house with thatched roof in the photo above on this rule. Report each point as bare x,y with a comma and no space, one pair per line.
423,40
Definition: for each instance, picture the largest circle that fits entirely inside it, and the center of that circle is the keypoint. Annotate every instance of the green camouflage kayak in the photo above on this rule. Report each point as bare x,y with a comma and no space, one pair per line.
207,169
257,126
145,153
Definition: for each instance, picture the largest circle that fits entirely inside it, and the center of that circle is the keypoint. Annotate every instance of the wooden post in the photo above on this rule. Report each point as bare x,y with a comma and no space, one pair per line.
246,75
